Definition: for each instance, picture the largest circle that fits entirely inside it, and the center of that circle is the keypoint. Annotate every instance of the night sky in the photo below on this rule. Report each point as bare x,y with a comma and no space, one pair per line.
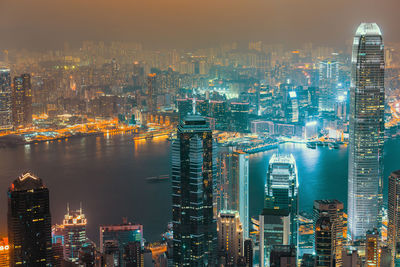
43,24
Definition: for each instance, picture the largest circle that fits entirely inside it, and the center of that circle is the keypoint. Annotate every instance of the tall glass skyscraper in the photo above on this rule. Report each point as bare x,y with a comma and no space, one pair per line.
194,162
29,222
5,100
328,82
366,131
281,189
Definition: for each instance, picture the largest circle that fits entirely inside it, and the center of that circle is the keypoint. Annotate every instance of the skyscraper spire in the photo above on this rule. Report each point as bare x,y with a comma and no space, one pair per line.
194,105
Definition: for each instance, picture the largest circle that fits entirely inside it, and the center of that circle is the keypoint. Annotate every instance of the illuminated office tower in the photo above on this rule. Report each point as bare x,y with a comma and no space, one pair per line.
230,237
74,234
274,230
29,222
5,100
394,216
4,252
281,189
22,101
328,81
372,251
292,107
238,188
114,239
194,162
366,131
334,210
323,242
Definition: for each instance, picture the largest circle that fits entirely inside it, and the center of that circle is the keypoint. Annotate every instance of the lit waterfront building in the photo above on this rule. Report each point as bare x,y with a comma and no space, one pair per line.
366,131
328,81
29,222
114,238
274,230
281,189
5,100
334,210
194,162
22,101
4,252
230,237
74,225
394,216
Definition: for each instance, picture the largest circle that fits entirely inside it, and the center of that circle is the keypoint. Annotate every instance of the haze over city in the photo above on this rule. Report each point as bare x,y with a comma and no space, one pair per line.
47,24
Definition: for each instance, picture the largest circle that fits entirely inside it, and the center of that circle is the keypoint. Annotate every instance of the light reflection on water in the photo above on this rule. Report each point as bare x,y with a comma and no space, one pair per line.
108,176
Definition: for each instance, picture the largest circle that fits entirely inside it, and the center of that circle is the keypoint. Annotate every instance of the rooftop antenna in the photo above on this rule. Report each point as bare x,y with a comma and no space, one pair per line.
68,208
80,207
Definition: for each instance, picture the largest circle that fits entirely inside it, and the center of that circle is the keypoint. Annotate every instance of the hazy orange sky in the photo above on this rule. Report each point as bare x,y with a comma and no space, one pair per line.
42,24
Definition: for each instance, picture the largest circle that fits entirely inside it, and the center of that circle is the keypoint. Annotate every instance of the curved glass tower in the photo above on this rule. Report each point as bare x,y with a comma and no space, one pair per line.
366,131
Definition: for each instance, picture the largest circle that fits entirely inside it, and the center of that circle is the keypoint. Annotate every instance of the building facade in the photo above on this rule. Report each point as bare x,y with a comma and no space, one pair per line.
366,131
230,238
29,222
194,158
394,216
5,100
22,101
74,229
281,189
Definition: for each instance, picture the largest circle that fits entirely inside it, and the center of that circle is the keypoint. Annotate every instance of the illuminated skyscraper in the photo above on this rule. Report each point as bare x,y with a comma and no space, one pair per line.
281,189
5,99
372,250
324,242
22,101
238,188
328,81
230,237
29,222
394,216
334,210
366,131
194,163
4,252
114,239
74,234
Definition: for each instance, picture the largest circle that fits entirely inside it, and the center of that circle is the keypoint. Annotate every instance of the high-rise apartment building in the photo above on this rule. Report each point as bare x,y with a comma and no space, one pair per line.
5,100
281,189
283,256
22,101
334,210
29,222
74,229
394,216
366,131
194,155
230,237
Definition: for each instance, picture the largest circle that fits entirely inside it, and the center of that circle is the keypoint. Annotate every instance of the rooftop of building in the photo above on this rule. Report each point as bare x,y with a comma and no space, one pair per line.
277,212
282,158
396,173
26,181
368,29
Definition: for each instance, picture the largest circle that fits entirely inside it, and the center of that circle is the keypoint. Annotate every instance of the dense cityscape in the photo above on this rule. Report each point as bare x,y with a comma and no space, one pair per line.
225,134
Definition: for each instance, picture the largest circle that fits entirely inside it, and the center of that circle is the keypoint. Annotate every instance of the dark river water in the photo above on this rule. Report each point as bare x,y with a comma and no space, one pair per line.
107,174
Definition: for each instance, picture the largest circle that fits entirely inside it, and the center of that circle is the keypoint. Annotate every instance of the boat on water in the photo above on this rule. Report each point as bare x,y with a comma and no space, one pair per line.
311,145
333,146
157,179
